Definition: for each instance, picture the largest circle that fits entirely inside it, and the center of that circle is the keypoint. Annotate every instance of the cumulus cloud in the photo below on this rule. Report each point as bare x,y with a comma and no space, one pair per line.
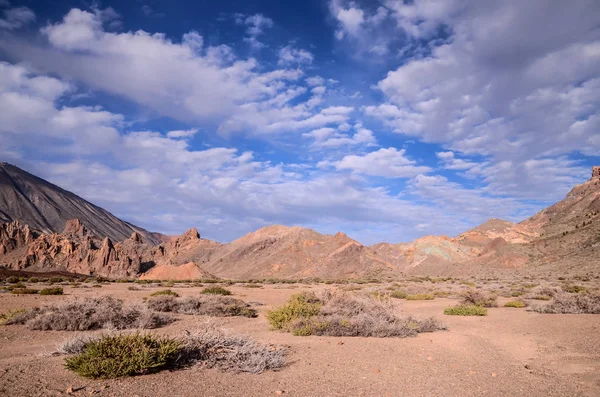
289,55
14,18
332,138
514,84
389,163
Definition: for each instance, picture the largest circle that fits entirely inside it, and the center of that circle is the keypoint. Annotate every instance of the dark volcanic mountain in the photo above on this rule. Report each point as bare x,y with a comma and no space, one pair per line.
47,208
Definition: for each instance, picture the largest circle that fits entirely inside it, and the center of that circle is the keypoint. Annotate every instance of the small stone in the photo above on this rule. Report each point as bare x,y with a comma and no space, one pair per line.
376,370
70,390
279,392
494,374
340,343
472,372
430,358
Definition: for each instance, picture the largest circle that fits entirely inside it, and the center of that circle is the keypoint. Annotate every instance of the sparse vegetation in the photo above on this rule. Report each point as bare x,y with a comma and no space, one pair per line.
216,291
571,304
466,310
218,306
420,297
88,314
24,291
137,354
7,318
52,291
516,304
165,292
398,294
341,314
478,298
574,289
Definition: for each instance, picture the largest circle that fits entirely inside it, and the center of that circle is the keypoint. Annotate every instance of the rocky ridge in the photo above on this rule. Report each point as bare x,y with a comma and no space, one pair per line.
565,235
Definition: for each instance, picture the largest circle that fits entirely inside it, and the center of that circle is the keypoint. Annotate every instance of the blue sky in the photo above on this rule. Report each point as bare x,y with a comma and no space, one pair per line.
384,119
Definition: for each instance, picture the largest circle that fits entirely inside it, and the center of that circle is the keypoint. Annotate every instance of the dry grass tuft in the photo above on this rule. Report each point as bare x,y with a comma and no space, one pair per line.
89,314
478,298
341,314
216,348
571,304
205,305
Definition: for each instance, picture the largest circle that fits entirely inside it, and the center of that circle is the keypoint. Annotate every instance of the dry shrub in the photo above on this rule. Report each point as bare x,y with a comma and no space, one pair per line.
217,348
341,314
8,317
204,305
478,298
571,304
111,356
90,313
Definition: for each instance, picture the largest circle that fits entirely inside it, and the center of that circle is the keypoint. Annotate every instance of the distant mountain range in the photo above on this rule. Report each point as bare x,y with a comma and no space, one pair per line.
46,228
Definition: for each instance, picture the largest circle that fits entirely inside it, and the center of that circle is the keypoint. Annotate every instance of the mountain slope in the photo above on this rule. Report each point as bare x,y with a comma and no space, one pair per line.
46,207
279,252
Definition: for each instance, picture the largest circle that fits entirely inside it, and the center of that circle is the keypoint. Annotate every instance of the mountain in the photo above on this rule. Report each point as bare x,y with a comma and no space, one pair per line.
47,208
564,237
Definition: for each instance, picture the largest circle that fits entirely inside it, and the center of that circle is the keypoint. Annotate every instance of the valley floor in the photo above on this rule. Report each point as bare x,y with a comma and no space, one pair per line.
510,352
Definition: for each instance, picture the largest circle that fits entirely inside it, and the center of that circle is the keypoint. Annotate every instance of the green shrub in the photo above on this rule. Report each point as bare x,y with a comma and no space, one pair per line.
12,280
52,291
517,304
33,280
165,292
398,294
300,305
542,297
24,291
56,279
124,355
420,297
216,291
466,310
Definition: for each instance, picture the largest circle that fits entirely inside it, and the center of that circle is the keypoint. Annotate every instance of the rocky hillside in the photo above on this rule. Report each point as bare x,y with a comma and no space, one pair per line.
47,208
564,237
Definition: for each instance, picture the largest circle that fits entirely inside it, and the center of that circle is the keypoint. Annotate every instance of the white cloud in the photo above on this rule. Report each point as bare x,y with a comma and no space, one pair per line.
187,81
289,55
514,84
182,133
14,18
315,80
389,163
327,138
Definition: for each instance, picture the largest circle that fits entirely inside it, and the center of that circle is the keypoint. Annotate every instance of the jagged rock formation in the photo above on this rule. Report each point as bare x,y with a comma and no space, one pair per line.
47,208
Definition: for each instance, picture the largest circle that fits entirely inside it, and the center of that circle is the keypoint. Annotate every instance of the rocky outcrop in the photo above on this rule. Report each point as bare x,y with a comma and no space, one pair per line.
596,172
14,235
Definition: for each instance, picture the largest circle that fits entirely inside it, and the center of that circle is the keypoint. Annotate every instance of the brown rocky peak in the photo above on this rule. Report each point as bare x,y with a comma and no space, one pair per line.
191,234
135,236
340,235
74,228
596,172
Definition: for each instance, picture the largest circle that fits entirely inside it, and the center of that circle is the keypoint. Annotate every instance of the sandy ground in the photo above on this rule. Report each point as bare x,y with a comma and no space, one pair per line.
511,352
